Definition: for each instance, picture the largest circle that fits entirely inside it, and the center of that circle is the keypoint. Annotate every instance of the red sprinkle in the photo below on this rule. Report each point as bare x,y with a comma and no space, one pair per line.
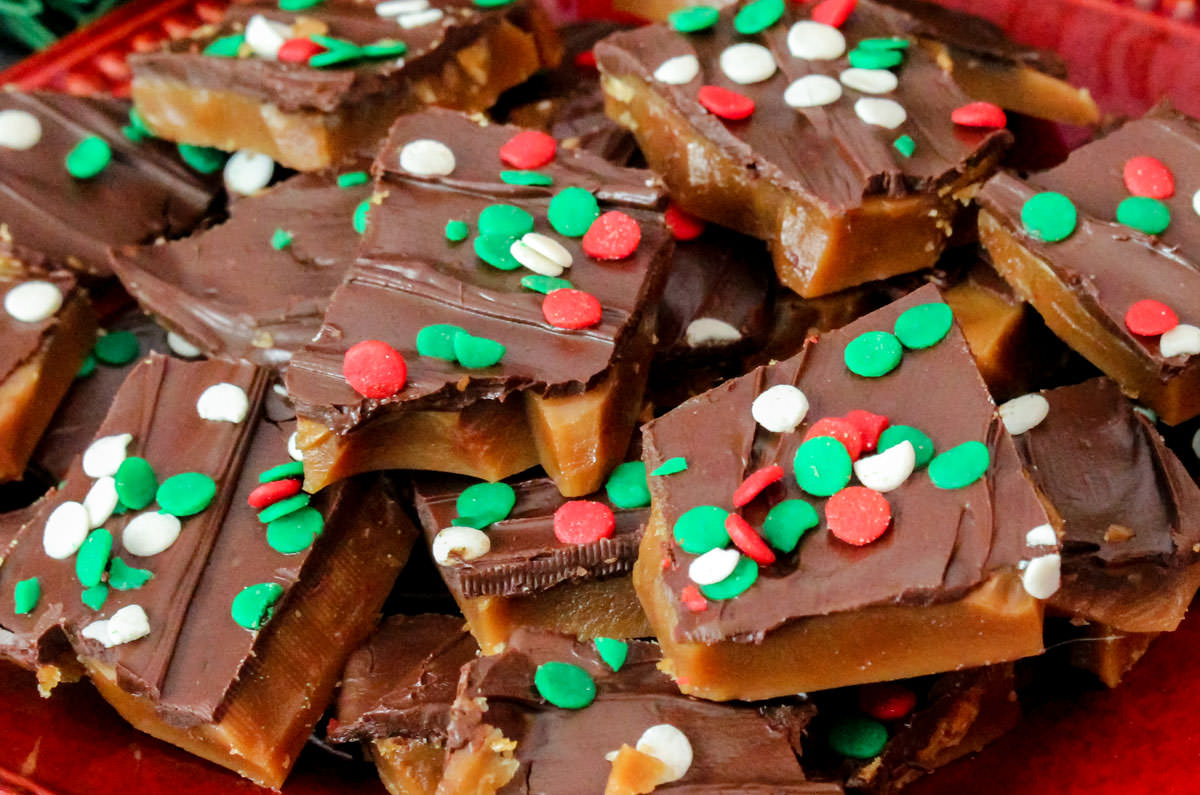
693,599
528,149
1149,176
979,114
833,12
273,492
683,226
749,542
858,515
374,369
586,60
298,50
612,236
842,430
583,522
1149,318
725,104
755,482
571,308
869,426
886,700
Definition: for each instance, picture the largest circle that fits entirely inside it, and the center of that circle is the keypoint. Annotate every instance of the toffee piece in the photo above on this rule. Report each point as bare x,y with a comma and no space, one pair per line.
311,86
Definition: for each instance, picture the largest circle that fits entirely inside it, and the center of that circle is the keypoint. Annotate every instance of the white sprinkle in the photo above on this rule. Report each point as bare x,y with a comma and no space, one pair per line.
1042,576
869,81
533,260
1146,412
541,254
1196,202
104,456
19,129
7,638
127,624
812,91
453,545
713,566
294,447
814,41
747,63
888,470
33,301
678,70
1183,340
780,409
885,113
548,247
280,389
101,501
265,37
248,172
1041,536
66,528
670,746
421,18
1023,413
223,403
181,347
150,533
425,157
704,331
394,8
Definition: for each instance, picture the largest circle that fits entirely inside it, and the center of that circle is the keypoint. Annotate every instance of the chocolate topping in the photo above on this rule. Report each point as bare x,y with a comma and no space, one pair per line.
19,340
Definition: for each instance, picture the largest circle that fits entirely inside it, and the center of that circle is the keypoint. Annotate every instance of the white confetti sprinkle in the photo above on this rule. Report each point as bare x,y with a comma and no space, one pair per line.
888,470
7,638
425,157
533,260
223,403
713,566
704,331
1023,413
101,501
421,18
104,456
1196,443
265,37
678,70
812,91
541,254
66,528
33,301
668,745
548,247
780,409
1041,536
869,81
1146,412
454,544
885,113
181,347
127,624
1183,340
19,129
294,447
747,63
248,172
1042,576
815,41
394,8
1196,202
150,533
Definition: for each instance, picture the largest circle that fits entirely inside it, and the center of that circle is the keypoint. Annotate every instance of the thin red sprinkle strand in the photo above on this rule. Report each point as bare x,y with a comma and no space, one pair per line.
374,369
583,522
833,12
725,104
869,425
754,484
1150,177
1149,318
571,309
979,114
747,541
273,492
693,599
612,236
683,226
842,430
528,149
858,515
886,700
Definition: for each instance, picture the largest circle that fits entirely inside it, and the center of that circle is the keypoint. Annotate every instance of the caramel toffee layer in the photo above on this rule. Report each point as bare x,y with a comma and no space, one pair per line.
53,218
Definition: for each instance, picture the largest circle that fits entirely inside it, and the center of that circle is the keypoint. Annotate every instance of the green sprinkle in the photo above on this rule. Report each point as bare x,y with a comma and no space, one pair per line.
282,508
822,466
95,597
1144,214
137,129
694,18
457,231
889,43
437,341
124,577
254,604
204,159
873,354
626,486
506,220
489,501
495,250
526,178
702,529
492,3
360,216
117,348
858,737
281,239
292,469
924,326
787,522
564,685
384,48
895,434
905,145
1147,412
226,46
136,483
478,522
298,5
26,594
352,179
1049,216
92,558
295,532
572,211
186,494
612,651
875,59
477,352
132,133
960,466
758,16
88,367
88,157
544,284
739,580
672,466
337,51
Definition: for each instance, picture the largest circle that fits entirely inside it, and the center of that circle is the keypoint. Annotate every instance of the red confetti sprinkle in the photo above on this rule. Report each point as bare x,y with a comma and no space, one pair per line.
725,104
298,50
755,482
528,149
833,12
886,700
842,430
374,369
612,236
858,515
979,114
570,308
1149,176
273,492
869,427
693,599
583,522
749,542
586,60
1149,318
683,226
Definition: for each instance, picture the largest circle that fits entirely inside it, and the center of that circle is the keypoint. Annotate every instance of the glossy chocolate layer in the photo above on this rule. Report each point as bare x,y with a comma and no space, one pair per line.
20,340
145,193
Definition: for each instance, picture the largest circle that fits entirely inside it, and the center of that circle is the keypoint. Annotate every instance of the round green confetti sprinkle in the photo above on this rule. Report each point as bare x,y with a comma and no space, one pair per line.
87,368
478,522
924,326
338,52
295,532
702,529
905,145
671,466
292,469
822,466
572,211
95,597
477,352
281,239
282,508
117,348
92,558
254,604
490,501
1049,216
298,5
544,284
360,216
612,651
226,46
124,577
1145,214
889,43
136,483
758,16
895,434
875,59
787,521
495,251
739,580
437,341
506,220
136,130
26,594
626,486
564,685
204,159
352,179
385,48
457,231
960,466
694,18
526,178
88,157
186,494
858,737
873,354
492,3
